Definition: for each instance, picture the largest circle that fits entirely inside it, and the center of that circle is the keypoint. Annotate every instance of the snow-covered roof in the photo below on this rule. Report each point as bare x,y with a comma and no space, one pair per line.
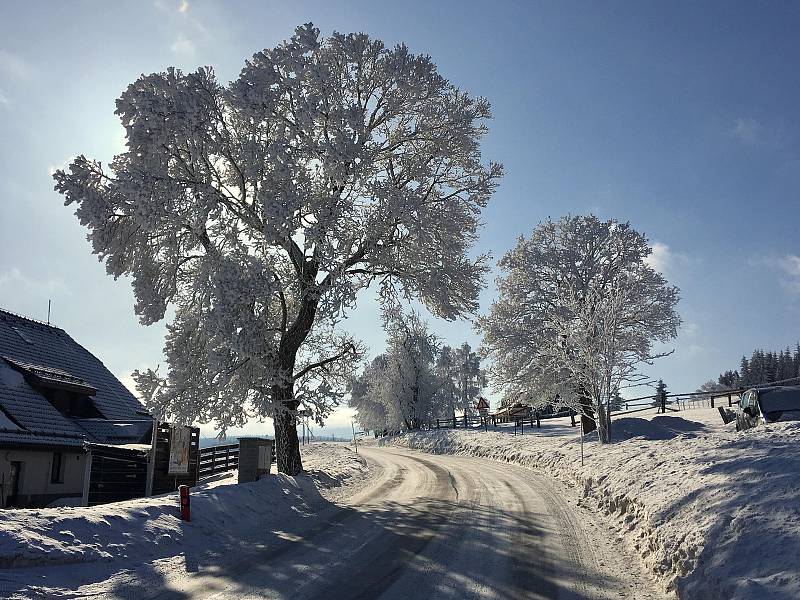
34,354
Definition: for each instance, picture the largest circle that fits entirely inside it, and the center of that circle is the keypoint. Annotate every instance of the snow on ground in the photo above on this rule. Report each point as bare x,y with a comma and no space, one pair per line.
224,515
714,513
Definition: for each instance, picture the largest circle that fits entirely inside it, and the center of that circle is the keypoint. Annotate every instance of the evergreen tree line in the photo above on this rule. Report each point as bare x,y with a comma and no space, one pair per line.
761,368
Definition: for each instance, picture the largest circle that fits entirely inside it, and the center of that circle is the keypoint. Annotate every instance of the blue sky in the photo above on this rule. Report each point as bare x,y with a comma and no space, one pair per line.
680,117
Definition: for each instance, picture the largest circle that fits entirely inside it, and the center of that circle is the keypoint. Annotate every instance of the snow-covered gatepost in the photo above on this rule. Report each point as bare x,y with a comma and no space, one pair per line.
257,211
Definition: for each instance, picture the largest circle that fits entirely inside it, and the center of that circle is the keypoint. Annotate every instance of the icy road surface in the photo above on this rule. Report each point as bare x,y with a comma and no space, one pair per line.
435,527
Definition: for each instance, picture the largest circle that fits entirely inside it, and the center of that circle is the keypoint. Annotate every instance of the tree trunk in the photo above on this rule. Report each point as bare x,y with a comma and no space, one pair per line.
287,444
602,425
588,422
284,420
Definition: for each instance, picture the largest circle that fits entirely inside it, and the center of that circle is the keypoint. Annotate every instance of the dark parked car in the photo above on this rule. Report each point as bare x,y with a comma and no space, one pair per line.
768,405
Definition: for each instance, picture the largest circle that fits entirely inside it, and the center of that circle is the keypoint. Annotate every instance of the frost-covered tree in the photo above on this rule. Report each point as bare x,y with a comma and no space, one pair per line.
366,397
617,402
578,312
401,384
469,377
661,394
461,379
258,210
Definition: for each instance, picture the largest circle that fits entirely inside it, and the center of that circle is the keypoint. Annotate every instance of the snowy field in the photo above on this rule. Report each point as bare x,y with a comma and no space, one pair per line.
713,512
226,519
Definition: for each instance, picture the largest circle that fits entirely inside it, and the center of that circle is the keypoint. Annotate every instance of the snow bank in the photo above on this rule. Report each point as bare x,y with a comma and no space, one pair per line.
713,512
224,514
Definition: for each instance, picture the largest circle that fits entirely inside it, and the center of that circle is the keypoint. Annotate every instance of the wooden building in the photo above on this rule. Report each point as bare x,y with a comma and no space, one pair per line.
68,427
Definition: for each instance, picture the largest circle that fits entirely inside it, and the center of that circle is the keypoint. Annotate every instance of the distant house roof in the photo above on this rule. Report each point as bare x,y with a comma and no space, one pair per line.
518,408
36,357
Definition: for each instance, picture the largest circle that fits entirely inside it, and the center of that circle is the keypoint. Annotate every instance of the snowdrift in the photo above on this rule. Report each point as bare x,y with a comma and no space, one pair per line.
225,515
714,513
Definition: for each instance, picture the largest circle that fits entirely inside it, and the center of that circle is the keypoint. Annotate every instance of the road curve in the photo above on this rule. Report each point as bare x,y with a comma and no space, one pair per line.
438,527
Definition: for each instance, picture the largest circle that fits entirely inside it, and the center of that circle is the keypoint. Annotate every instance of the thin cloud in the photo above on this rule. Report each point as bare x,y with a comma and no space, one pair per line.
183,6
183,46
787,266
4,101
748,131
13,281
14,67
790,266
664,260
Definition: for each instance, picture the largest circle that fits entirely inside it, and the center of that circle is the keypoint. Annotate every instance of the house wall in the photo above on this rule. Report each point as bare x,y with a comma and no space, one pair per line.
35,489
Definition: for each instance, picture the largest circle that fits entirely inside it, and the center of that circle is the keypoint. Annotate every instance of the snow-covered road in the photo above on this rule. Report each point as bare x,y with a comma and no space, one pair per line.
433,527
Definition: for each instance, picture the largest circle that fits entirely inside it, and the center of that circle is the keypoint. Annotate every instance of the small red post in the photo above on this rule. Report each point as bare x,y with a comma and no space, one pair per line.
184,492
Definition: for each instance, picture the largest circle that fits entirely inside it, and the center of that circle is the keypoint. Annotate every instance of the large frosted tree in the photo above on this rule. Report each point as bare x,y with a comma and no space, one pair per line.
578,313
258,210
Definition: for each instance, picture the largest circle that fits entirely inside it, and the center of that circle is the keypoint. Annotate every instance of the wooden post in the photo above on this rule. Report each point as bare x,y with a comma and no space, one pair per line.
538,422
712,401
663,404
454,422
572,417
87,478
151,461
729,400
522,427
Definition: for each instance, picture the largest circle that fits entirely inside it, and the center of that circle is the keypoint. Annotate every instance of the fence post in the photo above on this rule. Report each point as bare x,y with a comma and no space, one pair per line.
572,417
454,422
522,427
465,419
538,422
729,400
712,401
663,403
227,458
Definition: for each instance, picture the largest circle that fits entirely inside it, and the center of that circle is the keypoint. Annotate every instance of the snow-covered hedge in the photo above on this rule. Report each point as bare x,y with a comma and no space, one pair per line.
714,513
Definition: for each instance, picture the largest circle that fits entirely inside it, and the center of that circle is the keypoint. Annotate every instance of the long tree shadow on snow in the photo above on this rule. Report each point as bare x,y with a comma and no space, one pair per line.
405,550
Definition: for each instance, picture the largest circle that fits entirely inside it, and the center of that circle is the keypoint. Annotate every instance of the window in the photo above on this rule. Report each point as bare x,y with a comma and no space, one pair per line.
57,470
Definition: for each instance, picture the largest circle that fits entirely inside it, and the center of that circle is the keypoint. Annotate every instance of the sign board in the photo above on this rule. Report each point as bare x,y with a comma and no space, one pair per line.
179,441
264,457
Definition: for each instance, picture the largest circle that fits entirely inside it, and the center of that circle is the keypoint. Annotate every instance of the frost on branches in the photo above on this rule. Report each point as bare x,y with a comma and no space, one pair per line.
579,310
398,389
416,380
462,377
258,211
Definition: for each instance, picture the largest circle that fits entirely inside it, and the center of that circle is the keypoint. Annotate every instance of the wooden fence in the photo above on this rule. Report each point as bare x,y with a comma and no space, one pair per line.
116,474
485,421
221,458
672,403
218,459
